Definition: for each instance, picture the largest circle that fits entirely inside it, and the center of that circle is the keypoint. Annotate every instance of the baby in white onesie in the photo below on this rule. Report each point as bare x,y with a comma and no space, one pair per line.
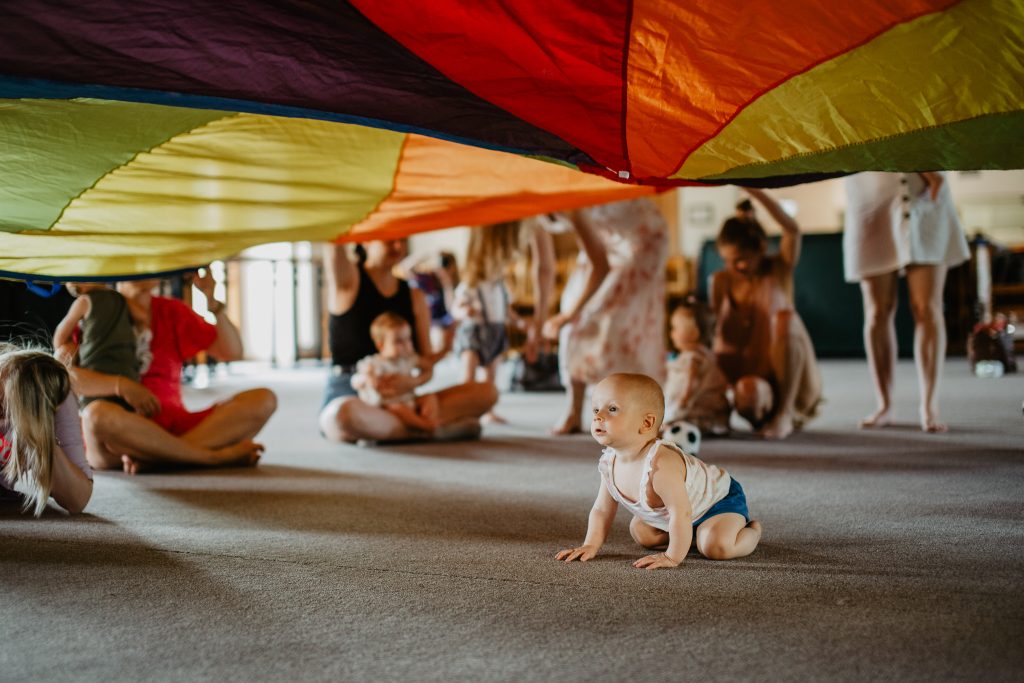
395,356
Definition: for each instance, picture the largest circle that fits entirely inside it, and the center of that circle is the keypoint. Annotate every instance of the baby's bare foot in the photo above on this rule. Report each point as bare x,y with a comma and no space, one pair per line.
879,418
930,423
493,418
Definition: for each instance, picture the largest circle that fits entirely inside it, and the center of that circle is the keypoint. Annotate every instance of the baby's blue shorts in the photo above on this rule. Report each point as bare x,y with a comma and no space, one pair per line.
734,501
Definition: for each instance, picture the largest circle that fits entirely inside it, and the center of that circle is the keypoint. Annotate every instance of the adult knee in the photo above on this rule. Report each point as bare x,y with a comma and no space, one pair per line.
344,420
264,403
100,418
925,311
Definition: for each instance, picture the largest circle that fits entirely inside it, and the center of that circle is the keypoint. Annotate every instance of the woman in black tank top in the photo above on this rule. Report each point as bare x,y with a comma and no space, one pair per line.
358,290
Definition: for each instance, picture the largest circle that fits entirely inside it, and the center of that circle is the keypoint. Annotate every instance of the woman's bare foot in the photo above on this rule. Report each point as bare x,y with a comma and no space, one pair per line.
931,425
245,453
570,425
565,428
493,418
780,427
133,466
879,418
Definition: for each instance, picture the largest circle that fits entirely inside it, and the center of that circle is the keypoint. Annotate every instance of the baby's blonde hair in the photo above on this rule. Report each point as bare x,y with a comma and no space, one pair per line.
644,391
386,322
491,248
32,385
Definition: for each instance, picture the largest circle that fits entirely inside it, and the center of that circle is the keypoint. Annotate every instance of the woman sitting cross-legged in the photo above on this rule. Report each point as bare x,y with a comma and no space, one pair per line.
359,288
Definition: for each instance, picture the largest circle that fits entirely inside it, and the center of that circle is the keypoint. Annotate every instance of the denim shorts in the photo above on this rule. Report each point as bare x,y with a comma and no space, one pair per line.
339,383
735,501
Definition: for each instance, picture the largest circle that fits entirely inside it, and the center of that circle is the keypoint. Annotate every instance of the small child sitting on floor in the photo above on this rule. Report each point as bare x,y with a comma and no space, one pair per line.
695,390
671,495
395,356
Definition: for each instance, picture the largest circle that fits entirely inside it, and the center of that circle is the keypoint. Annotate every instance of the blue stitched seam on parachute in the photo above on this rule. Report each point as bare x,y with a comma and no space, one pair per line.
32,88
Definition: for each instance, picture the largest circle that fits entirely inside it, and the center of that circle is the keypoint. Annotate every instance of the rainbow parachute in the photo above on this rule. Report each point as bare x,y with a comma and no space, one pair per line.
153,135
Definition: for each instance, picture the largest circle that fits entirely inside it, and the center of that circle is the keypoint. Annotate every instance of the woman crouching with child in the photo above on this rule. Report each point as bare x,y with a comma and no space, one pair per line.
41,447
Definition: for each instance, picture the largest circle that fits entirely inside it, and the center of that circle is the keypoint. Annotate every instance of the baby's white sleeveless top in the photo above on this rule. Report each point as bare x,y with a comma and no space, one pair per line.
705,485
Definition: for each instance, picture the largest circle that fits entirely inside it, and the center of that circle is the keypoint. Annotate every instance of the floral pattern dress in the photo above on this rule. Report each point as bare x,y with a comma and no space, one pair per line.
622,327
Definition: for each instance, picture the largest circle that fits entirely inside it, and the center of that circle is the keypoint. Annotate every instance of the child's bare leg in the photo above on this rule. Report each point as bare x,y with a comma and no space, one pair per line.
470,362
727,536
647,536
489,374
240,417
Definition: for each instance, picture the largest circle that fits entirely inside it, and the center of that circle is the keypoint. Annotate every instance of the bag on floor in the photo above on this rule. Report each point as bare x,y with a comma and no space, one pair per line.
541,375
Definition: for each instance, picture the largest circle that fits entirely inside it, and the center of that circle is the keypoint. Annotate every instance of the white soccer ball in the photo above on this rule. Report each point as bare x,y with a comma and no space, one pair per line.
684,435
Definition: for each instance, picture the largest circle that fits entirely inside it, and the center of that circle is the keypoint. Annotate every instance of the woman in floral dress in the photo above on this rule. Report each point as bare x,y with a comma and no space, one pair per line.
612,312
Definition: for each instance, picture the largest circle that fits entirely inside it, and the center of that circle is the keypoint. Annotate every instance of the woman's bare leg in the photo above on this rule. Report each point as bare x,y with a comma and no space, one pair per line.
879,294
465,401
348,418
571,423
793,362
925,283
111,432
240,417
727,536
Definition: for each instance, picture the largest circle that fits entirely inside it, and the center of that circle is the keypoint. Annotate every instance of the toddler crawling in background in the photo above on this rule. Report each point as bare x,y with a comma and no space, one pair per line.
672,496
395,356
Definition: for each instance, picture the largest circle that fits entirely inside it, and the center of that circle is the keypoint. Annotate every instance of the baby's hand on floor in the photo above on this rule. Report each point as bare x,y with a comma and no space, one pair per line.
583,553
655,561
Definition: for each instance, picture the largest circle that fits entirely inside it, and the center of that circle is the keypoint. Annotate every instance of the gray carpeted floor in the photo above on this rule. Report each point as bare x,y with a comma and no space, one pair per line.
889,555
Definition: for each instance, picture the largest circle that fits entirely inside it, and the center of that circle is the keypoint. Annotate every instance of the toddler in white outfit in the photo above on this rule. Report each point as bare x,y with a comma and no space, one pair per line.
395,355
672,495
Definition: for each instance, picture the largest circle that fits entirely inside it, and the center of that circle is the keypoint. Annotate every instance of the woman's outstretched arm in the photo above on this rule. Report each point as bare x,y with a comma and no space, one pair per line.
789,246
342,278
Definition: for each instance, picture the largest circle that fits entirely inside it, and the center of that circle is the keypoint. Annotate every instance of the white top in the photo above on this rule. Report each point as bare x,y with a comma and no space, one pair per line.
892,222
705,486
376,365
68,430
